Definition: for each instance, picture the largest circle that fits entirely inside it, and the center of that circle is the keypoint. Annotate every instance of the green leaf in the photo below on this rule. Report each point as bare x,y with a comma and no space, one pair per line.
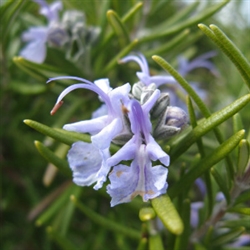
243,197
187,138
9,13
237,223
122,53
243,156
207,12
201,105
37,75
56,206
198,246
168,46
27,88
155,242
193,122
61,135
184,84
143,244
232,52
61,241
118,27
64,217
240,210
232,49
218,154
237,122
182,14
124,19
103,221
168,214
226,237
201,149
182,240
50,156
208,235
42,71
221,183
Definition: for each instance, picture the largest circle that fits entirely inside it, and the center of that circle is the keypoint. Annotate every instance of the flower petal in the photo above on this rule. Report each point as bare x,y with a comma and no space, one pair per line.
34,51
93,126
145,180
104,170
85,161
100,112
156,153
35,34
103,84
127,152
103,139
124,181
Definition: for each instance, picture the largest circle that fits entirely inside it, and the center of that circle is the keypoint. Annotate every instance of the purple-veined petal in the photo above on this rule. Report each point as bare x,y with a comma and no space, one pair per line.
155,181
148,105
139,179
85,161
120,96
124,181
127,152
103,139
156,153
104,170
144,78
93,126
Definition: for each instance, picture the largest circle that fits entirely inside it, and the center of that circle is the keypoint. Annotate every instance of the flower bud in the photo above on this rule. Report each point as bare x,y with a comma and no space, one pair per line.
176,117
173,120
147,91
57,36
121,139
160,106
137,90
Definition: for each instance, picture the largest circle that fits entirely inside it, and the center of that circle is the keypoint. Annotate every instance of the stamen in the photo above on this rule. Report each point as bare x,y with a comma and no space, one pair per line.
124,110
56,107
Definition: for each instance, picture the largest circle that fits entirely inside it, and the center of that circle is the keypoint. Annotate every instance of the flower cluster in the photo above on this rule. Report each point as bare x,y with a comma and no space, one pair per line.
125,118
67,33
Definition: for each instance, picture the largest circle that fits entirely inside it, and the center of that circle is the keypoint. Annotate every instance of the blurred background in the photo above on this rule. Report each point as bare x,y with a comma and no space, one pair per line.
34,194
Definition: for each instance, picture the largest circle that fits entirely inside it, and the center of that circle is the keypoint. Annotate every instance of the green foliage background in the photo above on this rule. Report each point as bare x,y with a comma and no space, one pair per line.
40,215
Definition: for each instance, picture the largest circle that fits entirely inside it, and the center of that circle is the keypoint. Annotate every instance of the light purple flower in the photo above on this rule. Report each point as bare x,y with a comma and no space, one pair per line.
194,214
37,37
201,61
103,128
185,67
141,178
243,240
144,75
50,11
